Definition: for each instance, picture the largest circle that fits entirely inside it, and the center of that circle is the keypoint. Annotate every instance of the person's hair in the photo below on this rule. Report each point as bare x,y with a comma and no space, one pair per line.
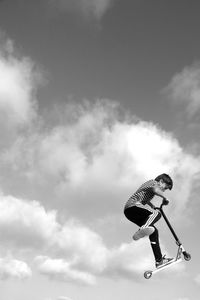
166,178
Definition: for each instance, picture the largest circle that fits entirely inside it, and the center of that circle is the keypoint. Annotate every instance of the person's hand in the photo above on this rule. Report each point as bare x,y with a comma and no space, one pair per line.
165,201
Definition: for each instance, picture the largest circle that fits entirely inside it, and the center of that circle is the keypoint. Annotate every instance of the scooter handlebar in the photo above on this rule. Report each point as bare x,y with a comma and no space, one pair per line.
165,201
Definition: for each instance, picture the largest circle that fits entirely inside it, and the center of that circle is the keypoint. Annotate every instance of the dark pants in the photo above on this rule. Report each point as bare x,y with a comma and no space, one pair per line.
144,216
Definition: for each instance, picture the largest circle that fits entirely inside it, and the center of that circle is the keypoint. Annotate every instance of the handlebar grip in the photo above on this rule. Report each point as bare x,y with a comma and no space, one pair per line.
165,201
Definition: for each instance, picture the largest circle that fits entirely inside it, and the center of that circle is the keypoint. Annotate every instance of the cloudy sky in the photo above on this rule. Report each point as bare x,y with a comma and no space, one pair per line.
96,96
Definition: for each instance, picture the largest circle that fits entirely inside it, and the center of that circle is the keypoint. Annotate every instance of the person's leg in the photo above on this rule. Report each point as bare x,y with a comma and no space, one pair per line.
153,217
150,216
155,245
145,217
139,215
154,237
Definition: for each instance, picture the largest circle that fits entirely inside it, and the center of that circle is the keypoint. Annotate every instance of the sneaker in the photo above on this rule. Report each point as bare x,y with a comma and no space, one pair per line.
163,261
142,232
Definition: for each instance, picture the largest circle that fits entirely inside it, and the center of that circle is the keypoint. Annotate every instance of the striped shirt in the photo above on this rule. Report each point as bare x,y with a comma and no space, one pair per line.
143,195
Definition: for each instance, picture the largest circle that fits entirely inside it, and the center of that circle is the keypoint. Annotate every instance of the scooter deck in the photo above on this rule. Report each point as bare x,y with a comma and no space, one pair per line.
167,265
149,273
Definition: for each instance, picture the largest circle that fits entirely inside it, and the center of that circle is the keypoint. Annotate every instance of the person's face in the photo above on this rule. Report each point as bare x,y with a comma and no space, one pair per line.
163,186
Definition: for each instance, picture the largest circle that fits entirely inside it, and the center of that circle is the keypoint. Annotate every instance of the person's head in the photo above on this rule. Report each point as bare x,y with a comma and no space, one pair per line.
165,181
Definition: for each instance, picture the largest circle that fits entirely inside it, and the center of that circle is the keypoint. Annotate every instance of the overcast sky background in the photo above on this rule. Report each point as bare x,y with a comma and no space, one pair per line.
96,96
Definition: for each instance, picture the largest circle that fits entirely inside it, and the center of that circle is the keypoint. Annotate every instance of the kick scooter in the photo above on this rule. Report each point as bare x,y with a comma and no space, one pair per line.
180,251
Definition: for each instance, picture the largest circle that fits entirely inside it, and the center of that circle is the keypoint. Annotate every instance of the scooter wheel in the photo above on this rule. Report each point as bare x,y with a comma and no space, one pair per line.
186,255
148,274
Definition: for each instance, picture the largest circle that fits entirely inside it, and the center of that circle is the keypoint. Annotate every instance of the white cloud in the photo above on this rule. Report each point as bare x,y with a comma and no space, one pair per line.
96,154
61,269
197,279
129,260
15,90
78,253
25,224
91,161
64,298
82,245
12,268
132,260
88,8
19,79
126,261
184,89
72,251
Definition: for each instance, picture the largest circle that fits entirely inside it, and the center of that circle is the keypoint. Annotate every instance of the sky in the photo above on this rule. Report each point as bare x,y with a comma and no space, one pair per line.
96,97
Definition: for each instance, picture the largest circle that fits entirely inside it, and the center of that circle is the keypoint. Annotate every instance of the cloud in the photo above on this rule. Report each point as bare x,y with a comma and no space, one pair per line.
84,165
183,298
61,270
64,298
83,246
197,279
19,80
78,254
12,268
129,260
70,251
88,8
184,89
126,261
16,86
25,224
95,157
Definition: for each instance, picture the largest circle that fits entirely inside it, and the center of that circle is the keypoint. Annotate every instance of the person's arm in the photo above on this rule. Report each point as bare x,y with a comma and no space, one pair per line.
159,193
151,204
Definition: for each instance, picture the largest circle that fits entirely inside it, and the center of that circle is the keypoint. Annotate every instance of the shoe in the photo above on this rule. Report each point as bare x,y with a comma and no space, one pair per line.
163,261
142,232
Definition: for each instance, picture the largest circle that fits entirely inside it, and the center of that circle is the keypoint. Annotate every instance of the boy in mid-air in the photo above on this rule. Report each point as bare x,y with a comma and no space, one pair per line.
141,211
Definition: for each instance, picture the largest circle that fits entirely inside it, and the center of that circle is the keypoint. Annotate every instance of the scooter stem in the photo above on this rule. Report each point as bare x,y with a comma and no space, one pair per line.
169,225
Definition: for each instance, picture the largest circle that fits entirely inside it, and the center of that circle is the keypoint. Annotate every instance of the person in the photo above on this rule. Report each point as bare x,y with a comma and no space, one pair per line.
140,210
